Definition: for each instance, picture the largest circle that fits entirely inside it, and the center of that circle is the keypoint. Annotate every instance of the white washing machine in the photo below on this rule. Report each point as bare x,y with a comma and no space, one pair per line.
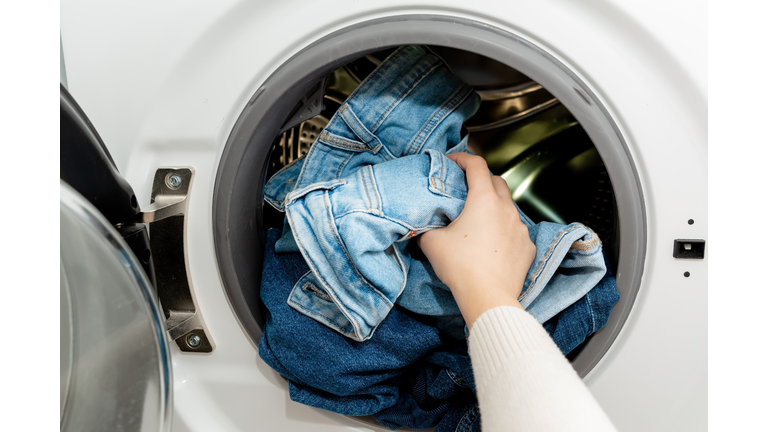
209,85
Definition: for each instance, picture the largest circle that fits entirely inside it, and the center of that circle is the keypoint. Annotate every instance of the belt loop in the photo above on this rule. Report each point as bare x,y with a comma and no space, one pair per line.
349,117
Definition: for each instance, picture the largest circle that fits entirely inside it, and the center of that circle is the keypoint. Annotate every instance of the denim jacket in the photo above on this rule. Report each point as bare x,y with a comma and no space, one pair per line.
377,176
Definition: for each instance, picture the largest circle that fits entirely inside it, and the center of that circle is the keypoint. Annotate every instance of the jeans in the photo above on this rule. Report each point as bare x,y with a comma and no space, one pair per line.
407,374
377,176
589,314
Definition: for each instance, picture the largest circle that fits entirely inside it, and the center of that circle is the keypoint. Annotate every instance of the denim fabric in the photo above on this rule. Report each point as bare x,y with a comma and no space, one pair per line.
405,376
571,327
377,176
354,231
325,369
438,392
409,104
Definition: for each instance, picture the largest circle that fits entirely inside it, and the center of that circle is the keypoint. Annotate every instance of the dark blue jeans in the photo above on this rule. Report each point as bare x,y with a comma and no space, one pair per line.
405,375
573,325
408,374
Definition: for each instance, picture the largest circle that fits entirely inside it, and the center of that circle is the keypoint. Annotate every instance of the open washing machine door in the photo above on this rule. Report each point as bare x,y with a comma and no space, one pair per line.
118,314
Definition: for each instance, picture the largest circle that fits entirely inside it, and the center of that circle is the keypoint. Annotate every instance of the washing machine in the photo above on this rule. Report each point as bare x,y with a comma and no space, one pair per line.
196,103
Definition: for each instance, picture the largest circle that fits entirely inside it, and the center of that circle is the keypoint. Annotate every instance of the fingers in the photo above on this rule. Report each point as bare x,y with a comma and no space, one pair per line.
476,169
502,190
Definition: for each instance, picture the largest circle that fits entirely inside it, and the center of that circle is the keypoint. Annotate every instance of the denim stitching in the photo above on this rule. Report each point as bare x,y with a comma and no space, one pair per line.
312,266
313,187
405,93
374,185
448,107
276,205
334,141
544,261
365,189
406,225
591,315
443,192
461,426
313,314
459,191
455,379
427,66
442,173
312,149
346,254
586,245
358,128
373,74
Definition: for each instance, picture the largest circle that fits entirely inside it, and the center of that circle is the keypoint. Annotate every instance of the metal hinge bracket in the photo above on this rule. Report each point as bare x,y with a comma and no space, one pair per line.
166,217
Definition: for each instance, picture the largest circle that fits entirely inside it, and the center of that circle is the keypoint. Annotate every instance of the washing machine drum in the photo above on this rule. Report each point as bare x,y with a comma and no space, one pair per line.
538,127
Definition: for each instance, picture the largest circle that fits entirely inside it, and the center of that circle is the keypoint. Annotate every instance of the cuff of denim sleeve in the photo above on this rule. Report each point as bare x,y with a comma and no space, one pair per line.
505,332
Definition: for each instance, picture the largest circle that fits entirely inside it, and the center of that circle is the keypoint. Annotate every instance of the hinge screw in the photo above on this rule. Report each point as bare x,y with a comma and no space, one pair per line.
193,340
173,181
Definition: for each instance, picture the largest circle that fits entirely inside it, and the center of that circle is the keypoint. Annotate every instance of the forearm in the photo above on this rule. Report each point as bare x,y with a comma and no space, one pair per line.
523,381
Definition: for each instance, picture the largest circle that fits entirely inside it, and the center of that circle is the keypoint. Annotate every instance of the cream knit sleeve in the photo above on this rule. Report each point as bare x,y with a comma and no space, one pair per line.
523,381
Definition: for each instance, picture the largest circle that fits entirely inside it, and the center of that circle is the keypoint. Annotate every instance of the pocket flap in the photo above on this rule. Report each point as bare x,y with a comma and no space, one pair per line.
326,185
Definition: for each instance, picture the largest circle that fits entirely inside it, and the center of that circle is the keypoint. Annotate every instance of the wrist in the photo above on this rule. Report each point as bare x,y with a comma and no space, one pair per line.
475,304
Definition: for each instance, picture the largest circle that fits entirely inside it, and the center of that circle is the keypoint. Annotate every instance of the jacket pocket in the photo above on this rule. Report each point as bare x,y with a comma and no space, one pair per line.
327,185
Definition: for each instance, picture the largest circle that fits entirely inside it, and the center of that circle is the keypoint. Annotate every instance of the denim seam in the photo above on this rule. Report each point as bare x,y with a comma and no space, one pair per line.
310,313
581,245
313,314
427,66
277,206
313,187
591,315
312,149
375,186
373,74
405,93
544,260
465,427
445,110
335,140
409,227
346,254
440,190
455,379
347,115
365,189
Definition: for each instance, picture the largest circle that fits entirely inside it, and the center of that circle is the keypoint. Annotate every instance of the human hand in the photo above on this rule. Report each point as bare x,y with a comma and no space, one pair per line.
485,253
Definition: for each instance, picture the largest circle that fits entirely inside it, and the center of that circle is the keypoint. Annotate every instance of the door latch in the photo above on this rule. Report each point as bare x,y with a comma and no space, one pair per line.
166,217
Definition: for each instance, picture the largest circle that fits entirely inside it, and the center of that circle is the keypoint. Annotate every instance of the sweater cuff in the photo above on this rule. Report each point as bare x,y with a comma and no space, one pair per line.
504,332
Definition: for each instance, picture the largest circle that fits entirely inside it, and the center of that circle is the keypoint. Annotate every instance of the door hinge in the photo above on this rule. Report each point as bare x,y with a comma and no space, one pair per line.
166,217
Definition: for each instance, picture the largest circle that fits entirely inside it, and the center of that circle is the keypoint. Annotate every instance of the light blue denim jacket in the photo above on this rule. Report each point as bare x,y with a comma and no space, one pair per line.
377,176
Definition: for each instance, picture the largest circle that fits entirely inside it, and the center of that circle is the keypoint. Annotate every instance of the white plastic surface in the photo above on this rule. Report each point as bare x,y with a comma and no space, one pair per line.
164,82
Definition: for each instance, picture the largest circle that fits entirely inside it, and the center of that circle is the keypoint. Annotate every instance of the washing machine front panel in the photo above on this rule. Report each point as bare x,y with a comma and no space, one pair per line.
166,94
